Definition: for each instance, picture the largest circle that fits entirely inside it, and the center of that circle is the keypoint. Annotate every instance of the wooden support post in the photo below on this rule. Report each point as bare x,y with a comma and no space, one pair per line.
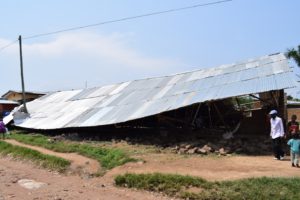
197,111
209,115
238,102
220,116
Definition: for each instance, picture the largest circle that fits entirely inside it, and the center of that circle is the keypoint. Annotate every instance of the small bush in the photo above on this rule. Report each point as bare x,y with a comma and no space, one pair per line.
167,183
177,185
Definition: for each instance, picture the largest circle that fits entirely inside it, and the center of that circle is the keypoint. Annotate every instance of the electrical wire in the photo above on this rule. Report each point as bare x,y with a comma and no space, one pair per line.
125,19
116,20
8,45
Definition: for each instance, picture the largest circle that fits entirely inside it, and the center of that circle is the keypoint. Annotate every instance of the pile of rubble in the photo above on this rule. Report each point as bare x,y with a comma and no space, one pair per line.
202,144
225,147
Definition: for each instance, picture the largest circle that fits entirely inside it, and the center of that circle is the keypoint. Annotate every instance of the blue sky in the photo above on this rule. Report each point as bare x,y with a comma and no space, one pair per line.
151,46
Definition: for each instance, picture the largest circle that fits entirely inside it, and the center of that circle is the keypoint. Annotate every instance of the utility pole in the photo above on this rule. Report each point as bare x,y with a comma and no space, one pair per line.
22,74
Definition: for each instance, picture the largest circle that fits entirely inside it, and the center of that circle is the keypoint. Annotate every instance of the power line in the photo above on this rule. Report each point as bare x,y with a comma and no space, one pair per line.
126,18
116,20
8,45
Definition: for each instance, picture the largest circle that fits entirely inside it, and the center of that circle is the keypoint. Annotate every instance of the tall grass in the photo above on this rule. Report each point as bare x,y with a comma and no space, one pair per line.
108,158
46,161
180,186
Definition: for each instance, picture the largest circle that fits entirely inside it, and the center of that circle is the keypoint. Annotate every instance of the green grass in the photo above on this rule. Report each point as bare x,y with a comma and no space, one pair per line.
108,158
188,187
46,161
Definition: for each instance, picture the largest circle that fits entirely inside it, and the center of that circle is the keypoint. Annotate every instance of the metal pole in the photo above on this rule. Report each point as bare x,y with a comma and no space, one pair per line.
22,74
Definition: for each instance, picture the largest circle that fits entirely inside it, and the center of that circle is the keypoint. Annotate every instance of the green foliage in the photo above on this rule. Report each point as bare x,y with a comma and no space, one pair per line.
244,101
108,158
46,161
179,186
290,98
294,54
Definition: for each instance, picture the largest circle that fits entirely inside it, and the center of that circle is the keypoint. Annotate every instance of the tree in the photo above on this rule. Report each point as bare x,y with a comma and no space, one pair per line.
290,98
294,54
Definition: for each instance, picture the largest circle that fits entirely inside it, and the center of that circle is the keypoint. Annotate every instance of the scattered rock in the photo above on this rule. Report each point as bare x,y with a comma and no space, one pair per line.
201,151
207,148
222,152
14,180
58,138
192,151
182,151
141,162
30,184
50,140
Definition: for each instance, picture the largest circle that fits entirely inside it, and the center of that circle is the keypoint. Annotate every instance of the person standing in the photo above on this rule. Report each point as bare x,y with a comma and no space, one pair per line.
294,143
2,128
277,133
293,126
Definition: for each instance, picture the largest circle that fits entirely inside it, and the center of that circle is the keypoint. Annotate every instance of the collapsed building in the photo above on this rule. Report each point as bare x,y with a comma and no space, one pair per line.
228,99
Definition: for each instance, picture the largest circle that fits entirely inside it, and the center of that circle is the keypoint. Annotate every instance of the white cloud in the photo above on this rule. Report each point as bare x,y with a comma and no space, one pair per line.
71,59
113,49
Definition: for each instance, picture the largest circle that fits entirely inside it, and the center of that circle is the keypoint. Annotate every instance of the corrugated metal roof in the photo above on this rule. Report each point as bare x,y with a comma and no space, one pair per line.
141,98
4,101
296,103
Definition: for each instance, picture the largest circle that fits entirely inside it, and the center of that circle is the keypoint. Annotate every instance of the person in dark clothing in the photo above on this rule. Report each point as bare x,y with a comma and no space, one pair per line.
293,126
2,128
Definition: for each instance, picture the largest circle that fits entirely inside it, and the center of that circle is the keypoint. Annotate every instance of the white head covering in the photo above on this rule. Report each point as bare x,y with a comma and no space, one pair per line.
273,112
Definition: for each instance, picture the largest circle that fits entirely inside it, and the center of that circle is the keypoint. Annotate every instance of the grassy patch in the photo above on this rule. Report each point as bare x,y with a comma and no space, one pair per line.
108,158
188,187
46,161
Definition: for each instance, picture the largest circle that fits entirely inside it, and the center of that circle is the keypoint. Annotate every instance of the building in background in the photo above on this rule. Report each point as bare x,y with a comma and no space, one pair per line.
293,108
14,95
6,106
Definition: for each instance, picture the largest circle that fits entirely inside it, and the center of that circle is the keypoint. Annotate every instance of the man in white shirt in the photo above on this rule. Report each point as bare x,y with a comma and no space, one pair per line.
277,133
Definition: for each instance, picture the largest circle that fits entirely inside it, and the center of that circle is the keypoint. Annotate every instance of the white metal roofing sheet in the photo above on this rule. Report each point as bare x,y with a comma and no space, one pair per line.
3,101
131,100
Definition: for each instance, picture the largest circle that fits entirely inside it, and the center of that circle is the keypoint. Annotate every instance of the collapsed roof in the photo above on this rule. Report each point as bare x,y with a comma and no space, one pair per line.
117,103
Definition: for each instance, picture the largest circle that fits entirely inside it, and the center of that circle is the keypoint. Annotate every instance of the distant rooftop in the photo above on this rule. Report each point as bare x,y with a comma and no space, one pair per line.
20,92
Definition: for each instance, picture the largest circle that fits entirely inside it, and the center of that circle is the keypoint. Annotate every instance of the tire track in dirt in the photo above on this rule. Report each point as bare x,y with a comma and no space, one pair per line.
79,164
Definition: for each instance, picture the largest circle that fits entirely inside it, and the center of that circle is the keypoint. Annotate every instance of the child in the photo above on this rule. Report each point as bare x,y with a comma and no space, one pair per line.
293,126
294,143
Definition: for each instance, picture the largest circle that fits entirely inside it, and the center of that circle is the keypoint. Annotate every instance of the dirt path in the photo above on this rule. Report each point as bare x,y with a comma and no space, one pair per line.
79,164
61,187
211,168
